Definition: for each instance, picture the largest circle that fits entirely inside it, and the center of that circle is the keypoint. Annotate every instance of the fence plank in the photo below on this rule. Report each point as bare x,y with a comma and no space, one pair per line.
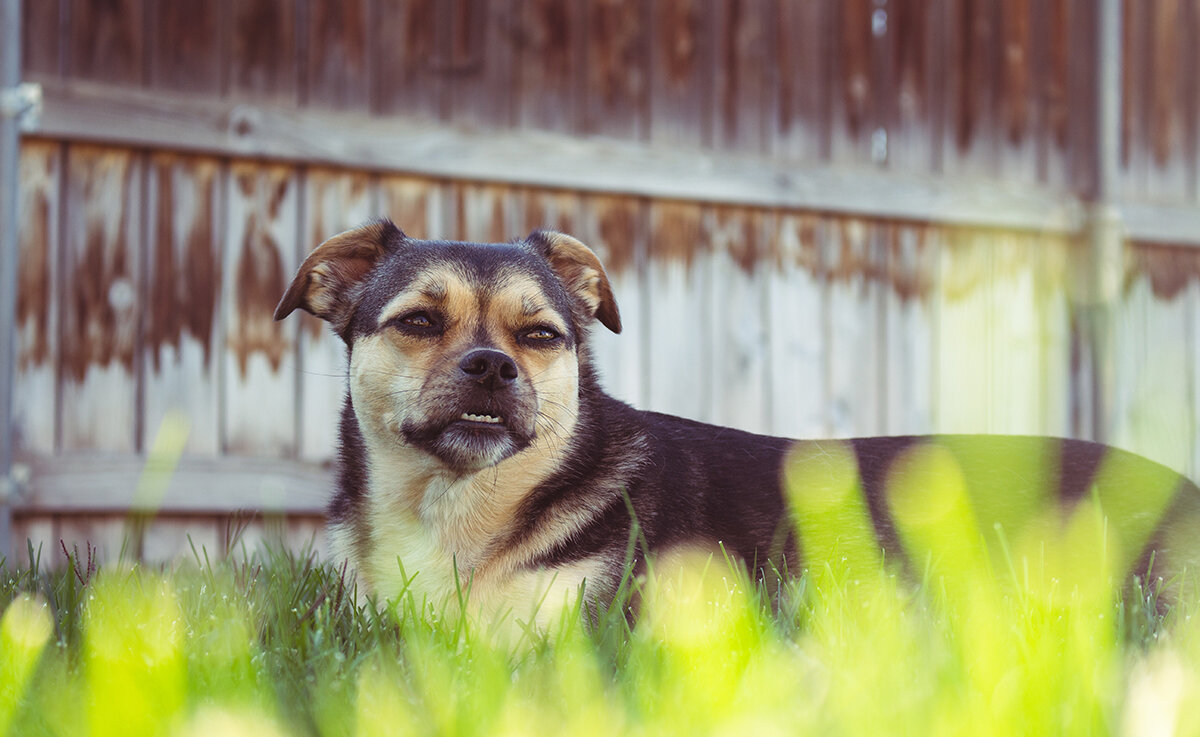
264,58
916,57
101,312
185,52
969,141
551,209
962,360
259,402
910,259
405,58
1152,408
799,382
106,41
338,70
334,201
1173,51
478,64
680,73
486,213
615,228
738,326
41,42
38,299
549,65
744,78
1052,260
853,91
1017,101
616,90
1015,336
854,262
677,344
414,205
183,289
802,62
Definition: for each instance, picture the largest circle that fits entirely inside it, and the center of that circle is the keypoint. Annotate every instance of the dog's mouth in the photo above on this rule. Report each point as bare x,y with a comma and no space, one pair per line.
482,418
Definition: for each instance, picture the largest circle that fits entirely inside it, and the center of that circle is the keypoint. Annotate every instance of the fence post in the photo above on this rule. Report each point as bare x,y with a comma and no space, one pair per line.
1105,234
14,101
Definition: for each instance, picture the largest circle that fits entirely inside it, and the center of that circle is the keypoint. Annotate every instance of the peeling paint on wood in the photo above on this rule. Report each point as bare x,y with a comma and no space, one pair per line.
101,309
617,82
38,303
183,291
259,398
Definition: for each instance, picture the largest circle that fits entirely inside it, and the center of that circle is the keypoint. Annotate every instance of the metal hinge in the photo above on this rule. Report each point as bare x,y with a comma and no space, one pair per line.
23,103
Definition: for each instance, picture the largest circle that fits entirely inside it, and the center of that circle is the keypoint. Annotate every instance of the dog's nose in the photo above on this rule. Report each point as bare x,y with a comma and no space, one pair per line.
491,368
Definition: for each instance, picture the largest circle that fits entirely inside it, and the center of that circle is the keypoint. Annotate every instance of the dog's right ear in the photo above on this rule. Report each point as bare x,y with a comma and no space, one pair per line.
324,284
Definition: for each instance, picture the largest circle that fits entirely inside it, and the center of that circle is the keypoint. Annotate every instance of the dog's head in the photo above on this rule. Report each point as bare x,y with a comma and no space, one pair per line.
467,352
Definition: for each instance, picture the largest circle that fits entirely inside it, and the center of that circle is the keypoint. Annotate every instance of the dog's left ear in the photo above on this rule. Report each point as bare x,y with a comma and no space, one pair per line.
581,272
324,284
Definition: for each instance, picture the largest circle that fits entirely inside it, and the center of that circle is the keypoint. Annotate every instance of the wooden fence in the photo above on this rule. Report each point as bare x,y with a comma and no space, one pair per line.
821,218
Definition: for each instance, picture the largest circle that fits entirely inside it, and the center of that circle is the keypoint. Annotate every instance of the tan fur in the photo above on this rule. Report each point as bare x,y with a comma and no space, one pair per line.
424,516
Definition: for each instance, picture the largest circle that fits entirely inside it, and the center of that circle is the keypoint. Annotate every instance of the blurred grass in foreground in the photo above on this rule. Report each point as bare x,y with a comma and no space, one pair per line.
271,643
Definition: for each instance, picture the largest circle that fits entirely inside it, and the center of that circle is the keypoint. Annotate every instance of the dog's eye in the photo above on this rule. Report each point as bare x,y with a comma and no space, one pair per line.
419,322
541,335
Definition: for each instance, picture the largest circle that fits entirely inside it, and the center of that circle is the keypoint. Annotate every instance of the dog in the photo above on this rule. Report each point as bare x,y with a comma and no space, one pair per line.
479,452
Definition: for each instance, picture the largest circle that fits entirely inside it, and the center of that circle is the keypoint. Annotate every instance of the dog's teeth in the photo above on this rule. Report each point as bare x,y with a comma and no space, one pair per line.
480,418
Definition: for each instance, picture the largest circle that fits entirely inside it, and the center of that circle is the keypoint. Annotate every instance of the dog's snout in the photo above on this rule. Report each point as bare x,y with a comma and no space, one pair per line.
491,368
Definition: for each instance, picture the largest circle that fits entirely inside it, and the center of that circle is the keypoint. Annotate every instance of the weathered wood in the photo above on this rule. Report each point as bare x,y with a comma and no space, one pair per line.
915,61
738,325
486,213
970,138
38,298
1051,263
802,64
259,375
853,89
85,112
1019,110
1171,85
1152,411
106,41
263,58
407,58
74,484
680,73
167,540
549,61
185,51
41,43
910,258
744,77
962,362
548,209
333,201
797,293
101,309
616,93
678,275
181,341
477,66
414,205
338,70
615,228
853,259
1015,341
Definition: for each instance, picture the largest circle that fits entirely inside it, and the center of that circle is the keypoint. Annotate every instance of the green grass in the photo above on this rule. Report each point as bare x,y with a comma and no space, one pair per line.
274,643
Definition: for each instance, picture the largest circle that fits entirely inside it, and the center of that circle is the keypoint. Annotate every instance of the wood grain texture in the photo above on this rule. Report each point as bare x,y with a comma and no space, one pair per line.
739,324
338,69
264,57
744,78
185,51
106,41
616,89
181,337
803,65
680,73
259,370
798,303
414,205
549,64
615,228
962,402
334,201
101,306
406,59
39,300
41,38
910,260
679,342
854,261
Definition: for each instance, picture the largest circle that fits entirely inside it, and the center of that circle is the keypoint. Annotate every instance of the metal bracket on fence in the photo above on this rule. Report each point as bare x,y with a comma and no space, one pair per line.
22,103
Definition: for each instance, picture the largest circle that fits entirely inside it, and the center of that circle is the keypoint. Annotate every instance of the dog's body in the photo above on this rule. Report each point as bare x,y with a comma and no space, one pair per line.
479,451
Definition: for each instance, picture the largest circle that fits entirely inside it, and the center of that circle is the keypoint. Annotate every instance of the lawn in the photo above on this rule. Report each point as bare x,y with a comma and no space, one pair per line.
273,643
1031,636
